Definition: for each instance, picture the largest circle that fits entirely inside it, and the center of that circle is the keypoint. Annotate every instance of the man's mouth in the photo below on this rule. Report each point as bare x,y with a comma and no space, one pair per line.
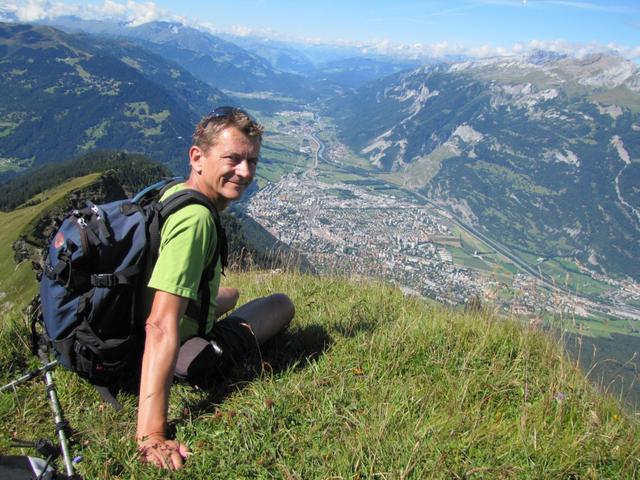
237,182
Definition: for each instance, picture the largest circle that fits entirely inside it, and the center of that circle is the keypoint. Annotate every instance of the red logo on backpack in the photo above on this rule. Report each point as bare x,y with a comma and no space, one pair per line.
58,241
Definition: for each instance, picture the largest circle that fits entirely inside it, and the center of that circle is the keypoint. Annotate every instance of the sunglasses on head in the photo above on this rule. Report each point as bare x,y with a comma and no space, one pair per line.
227,111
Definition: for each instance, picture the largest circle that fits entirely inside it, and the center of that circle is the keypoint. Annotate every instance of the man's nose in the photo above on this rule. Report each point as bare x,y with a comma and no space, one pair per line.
243,169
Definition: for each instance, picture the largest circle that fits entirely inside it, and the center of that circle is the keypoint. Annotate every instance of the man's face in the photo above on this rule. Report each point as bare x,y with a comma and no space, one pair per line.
228,167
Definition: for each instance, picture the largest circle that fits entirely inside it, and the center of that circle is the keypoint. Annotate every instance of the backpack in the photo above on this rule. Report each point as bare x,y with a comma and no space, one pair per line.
92,287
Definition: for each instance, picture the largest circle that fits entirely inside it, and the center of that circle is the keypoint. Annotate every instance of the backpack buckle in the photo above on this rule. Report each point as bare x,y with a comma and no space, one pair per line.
104,280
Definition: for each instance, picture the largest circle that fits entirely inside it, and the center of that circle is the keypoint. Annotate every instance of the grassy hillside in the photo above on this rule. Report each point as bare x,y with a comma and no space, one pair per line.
367,383
17,282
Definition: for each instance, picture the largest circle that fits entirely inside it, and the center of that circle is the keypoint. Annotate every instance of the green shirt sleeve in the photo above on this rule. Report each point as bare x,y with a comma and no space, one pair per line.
187,245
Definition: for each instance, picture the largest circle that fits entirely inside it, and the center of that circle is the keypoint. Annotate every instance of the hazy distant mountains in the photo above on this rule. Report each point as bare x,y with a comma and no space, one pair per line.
139,89
541,151
249,64
219,63
64,95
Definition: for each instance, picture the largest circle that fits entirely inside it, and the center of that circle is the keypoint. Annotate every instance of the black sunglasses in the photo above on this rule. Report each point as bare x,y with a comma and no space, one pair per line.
227,111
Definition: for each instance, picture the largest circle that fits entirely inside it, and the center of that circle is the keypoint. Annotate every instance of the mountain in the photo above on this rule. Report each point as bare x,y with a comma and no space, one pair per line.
250,64
280,55
219,63
354,72
132,172
542,151
326,67
69,94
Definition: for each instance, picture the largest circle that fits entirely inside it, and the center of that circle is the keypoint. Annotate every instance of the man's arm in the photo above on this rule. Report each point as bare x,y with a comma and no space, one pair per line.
158,363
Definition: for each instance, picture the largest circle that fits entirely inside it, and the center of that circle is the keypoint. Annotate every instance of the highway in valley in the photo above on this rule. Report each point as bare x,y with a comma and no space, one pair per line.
600,305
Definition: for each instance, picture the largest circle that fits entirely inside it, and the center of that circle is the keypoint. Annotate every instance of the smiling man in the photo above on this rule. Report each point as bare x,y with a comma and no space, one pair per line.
223,158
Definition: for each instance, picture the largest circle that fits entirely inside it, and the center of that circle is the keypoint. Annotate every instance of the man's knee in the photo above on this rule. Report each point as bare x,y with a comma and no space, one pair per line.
283,304
226,300
233,294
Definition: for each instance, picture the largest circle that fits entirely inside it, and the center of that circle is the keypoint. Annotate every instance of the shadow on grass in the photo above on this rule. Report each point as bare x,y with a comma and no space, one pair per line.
355,327
292,349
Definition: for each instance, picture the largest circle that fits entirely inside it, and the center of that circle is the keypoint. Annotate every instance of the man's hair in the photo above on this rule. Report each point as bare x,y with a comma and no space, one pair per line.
209,128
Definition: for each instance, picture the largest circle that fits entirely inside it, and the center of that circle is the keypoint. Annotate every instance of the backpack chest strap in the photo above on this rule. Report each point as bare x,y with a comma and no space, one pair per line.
123,277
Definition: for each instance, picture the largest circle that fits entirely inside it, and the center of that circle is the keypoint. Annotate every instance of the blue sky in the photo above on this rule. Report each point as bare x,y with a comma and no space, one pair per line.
477,27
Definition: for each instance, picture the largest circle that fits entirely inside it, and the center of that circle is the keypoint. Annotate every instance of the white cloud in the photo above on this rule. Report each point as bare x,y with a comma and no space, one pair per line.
245,31
28,11
139,12
145,12
130,11
113,9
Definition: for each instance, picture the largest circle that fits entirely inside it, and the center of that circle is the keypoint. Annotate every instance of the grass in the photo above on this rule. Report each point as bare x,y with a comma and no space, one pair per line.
17,281
422,171
7,128
619,96
601,326
367,383
94,134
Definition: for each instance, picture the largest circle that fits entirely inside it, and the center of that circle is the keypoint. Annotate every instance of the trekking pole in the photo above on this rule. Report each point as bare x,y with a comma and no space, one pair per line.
33,374
61,424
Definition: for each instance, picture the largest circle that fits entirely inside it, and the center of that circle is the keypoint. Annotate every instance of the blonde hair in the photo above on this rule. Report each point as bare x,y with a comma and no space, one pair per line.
209,128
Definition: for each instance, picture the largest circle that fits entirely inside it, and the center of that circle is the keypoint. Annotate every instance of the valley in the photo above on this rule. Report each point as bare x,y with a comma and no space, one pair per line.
347,218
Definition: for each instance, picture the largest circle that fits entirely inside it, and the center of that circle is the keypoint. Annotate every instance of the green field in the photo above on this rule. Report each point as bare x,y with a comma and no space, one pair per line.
566,274
17,281
366,384
596,325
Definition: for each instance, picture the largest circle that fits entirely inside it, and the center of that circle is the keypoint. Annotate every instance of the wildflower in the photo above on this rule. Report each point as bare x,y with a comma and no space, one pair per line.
559,396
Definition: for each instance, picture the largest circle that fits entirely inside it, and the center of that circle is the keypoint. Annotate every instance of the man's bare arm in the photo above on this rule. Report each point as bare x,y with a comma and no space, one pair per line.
158,364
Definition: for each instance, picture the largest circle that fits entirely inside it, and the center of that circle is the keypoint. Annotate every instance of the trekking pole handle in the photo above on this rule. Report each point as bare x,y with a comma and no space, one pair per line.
33,374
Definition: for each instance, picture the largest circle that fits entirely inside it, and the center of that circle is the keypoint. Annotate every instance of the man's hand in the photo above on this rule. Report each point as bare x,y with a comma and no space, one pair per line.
163,453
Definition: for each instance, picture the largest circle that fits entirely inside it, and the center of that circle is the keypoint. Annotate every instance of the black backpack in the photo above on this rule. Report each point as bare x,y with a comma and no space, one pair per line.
94,278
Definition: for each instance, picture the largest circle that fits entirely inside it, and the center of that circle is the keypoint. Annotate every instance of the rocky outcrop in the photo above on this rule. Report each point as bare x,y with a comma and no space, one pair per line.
31,246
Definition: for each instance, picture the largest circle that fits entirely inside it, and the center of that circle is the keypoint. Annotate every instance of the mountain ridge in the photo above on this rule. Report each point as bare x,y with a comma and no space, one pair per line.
517,149
71,94
218,62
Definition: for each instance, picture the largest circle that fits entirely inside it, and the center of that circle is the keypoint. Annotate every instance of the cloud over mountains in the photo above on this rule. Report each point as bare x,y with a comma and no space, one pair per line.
135,13
130,11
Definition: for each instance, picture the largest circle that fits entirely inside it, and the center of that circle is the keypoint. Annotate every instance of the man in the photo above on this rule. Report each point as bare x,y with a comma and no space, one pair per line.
223,159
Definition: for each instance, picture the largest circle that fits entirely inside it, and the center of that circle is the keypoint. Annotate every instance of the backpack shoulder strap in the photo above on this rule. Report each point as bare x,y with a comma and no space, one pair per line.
172,204
181,199
155,190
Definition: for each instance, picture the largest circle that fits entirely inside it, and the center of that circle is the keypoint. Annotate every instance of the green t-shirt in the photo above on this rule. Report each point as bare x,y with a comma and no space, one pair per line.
187,244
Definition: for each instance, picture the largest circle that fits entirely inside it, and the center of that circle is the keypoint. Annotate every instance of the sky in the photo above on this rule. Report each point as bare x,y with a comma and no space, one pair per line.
471,27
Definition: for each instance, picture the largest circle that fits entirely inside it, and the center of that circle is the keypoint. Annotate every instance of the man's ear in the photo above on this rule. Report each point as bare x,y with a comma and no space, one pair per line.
196,158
